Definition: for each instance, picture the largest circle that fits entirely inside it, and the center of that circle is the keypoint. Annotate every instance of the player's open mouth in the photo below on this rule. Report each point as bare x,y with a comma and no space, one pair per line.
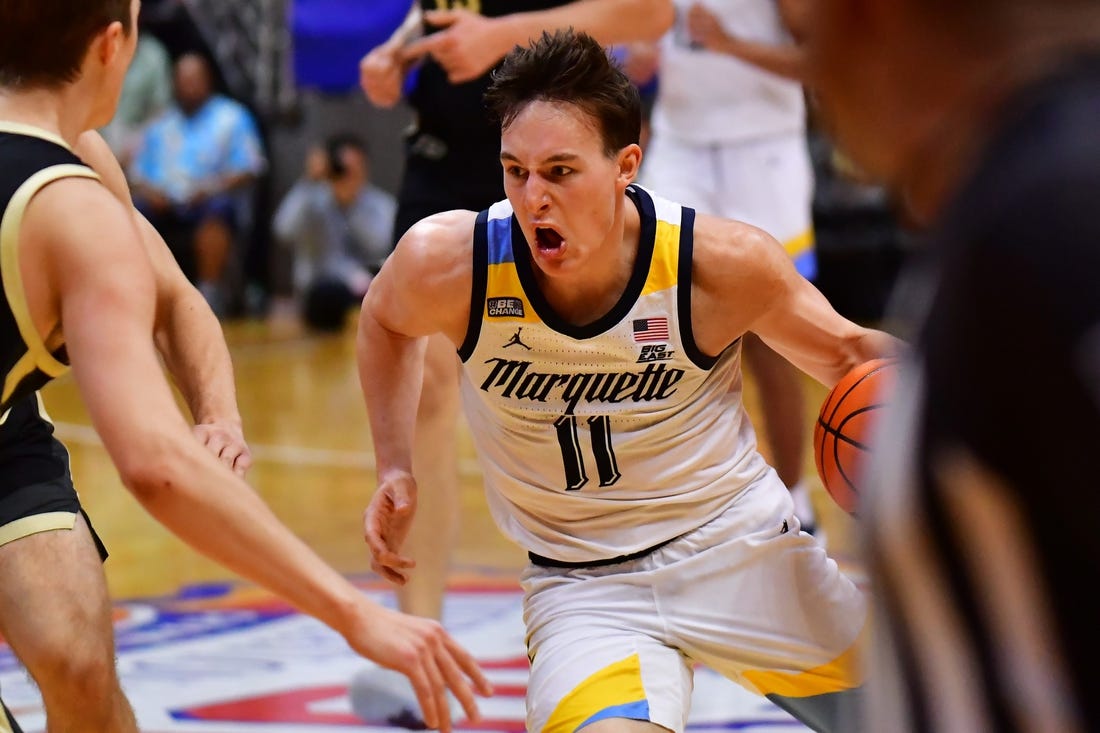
548,240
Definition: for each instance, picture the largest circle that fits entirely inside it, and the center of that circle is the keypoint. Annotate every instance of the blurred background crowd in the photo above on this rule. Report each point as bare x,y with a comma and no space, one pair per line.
251,147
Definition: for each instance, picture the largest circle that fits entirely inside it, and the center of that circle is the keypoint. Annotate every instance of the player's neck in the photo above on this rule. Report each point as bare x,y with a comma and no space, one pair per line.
57,113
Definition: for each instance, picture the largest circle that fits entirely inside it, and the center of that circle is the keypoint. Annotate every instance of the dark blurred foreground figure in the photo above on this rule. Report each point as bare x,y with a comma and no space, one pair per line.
990,454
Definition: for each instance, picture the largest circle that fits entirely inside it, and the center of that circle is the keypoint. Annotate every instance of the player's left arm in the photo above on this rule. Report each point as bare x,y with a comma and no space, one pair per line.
188,335
744,274
471,44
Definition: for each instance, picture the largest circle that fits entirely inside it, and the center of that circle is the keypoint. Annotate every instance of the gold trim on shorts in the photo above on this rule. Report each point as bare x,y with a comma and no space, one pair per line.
20,528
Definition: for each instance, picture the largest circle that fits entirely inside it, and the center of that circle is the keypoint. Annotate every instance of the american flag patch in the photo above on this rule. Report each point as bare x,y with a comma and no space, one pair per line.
650,329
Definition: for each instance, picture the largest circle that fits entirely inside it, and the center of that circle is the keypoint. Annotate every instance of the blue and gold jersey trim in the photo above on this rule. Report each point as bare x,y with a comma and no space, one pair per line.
505,288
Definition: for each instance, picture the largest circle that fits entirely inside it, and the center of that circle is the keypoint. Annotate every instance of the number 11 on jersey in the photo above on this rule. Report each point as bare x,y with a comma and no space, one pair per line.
568,439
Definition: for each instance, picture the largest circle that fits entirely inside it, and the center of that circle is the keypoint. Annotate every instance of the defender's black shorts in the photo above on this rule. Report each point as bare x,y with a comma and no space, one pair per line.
43,506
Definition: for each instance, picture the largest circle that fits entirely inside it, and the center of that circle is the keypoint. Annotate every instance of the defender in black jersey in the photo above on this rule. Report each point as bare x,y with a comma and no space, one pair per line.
87,282
981,526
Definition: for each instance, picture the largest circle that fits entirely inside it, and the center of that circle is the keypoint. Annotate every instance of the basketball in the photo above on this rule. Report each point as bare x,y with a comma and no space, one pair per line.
844,429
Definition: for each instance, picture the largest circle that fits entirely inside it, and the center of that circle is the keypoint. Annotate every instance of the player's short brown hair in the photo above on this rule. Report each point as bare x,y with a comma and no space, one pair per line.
43,42
574,68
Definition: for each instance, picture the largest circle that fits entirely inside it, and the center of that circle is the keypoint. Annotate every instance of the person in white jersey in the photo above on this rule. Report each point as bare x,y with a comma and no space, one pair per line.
728,137
599,327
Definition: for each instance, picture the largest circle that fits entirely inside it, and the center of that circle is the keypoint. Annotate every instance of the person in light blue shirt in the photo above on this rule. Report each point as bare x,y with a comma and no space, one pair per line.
193,171
339,228
146,94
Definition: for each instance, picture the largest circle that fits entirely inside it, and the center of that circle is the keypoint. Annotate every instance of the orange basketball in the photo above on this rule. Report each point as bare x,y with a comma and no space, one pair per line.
843,433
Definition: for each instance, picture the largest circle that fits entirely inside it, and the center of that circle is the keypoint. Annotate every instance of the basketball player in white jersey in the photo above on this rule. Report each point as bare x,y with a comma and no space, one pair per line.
599,328
728,139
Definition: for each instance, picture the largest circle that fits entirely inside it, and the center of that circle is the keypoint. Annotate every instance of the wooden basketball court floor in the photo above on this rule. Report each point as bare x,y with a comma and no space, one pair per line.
306,424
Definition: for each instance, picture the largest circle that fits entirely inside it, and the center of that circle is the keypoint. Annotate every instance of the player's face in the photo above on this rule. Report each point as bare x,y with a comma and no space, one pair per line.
566,192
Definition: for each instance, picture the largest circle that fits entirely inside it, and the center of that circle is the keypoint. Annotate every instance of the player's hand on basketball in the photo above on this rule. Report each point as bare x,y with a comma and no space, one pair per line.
225,439
434,662
469,44
381,74
386,524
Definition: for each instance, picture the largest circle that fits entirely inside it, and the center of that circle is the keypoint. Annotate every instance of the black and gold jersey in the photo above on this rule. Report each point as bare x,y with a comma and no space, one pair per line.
29,159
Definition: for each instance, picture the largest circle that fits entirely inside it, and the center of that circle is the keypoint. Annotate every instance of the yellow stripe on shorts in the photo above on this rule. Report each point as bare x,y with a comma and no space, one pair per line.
615,691
843,673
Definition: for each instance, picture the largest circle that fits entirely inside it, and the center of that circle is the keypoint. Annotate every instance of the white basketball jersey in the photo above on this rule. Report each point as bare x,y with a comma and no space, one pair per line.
600,440
706,97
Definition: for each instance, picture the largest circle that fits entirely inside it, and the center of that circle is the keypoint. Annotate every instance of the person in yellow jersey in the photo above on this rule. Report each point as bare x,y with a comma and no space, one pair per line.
88,284
599,327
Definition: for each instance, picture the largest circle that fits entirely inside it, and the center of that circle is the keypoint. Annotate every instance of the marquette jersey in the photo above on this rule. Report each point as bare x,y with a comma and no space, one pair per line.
709,97
606,439
29,159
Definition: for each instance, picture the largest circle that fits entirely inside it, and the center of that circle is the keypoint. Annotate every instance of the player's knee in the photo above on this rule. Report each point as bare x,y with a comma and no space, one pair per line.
80,674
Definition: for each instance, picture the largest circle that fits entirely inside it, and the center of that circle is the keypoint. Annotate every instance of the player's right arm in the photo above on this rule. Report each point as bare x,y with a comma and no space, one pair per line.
423,289
186,332
89,279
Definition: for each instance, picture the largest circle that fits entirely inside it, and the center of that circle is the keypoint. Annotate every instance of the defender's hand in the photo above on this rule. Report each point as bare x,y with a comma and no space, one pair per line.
420,649
226,441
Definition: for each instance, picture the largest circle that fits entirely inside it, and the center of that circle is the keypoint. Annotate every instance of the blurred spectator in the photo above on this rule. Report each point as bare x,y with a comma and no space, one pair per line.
146,93
193,174
339,228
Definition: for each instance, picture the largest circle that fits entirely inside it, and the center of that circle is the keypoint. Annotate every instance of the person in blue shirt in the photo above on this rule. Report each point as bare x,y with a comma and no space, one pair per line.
193,169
